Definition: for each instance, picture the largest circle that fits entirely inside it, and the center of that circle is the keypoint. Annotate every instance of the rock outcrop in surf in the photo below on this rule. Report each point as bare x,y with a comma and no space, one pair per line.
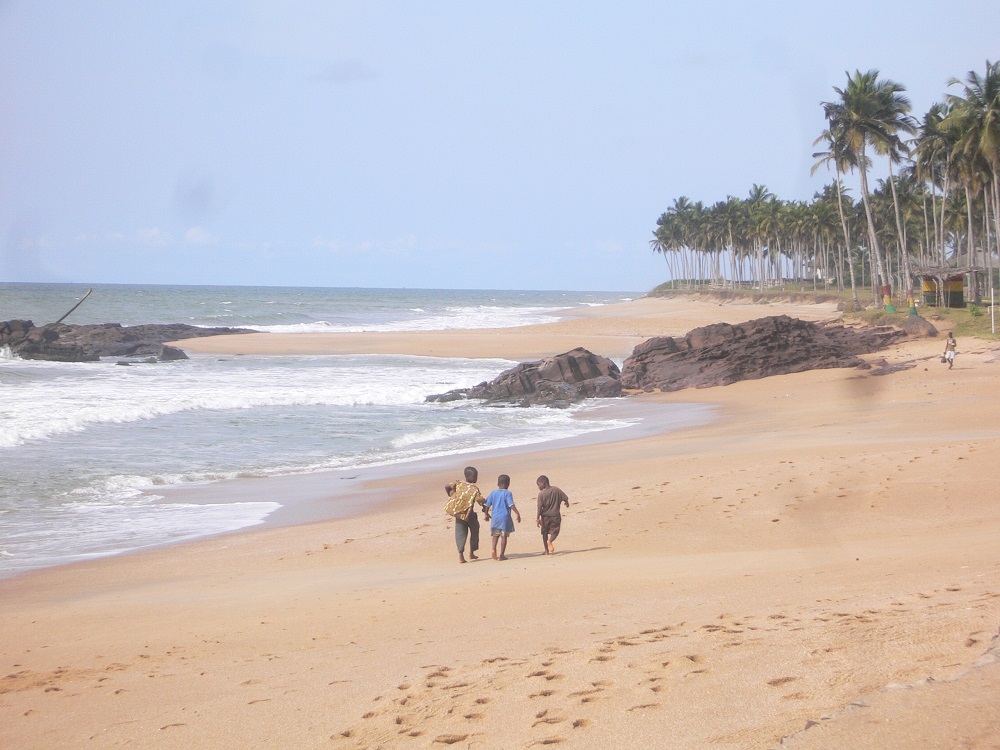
718,354
721,353
554,381
60,342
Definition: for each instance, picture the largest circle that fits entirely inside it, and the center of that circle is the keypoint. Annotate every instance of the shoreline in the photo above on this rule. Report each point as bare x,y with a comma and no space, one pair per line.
341,493
828,535
610,330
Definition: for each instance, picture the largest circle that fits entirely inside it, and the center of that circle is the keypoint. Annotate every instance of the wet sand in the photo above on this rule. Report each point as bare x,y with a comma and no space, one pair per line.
822,555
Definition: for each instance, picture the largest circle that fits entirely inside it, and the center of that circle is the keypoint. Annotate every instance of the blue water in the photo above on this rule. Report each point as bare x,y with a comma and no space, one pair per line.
291,309
86,448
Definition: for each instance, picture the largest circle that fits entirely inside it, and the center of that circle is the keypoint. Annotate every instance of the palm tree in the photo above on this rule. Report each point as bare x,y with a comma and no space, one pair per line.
975,123
842,158
870,114
758,224
934,144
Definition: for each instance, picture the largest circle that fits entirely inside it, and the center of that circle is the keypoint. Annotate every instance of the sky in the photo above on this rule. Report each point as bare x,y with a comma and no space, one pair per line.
434,144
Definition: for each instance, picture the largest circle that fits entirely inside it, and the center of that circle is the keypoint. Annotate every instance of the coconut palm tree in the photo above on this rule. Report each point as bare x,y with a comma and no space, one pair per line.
758,220
933,147
975,123
870,114
840,155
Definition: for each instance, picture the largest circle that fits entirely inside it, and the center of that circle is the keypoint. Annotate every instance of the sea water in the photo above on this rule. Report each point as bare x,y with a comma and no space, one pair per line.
87,448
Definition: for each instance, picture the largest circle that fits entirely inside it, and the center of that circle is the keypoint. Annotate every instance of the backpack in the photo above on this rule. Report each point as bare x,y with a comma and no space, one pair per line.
459,504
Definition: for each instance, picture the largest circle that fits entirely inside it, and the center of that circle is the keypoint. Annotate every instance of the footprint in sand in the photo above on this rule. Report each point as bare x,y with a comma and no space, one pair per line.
777,681
543,694
544,718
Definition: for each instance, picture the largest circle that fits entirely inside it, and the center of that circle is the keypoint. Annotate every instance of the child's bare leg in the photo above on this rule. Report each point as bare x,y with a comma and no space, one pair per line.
494,548
461,534
503,548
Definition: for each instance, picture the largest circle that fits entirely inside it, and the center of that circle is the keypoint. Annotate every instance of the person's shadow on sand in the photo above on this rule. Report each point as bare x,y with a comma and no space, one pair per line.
557,553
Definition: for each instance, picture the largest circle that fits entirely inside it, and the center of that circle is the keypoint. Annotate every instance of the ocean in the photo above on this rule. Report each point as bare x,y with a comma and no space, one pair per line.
89,450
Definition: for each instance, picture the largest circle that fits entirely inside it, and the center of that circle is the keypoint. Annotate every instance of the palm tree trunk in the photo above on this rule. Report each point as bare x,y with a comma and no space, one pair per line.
944,208
970,242
925,250
904,256
996,223
847,244
882,273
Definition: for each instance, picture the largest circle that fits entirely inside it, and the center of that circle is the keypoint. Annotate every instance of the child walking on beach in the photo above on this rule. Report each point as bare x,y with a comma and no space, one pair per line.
462,499
498,507
549,517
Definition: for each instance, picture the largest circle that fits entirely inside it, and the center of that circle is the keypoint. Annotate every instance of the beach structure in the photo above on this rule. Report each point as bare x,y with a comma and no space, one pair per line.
944,286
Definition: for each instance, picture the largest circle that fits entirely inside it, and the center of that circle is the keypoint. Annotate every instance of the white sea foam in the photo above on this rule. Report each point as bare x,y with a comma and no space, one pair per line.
435,434
70,398
464,318
88,529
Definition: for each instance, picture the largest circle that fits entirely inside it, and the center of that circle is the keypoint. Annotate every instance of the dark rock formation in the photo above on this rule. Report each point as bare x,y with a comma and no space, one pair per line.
87,343
554,381
914,325
721,354
171,353
28,341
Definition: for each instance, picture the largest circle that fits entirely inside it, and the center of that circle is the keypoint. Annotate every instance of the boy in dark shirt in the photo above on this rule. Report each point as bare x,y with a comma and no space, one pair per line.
549,517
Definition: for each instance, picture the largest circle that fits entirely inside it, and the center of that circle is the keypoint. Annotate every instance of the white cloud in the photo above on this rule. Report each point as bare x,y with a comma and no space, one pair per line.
399,246
323,244
33,243
153,237
198,236
347,71
395,247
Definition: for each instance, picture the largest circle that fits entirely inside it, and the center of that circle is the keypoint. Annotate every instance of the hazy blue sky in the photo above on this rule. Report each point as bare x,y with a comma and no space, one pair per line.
421,144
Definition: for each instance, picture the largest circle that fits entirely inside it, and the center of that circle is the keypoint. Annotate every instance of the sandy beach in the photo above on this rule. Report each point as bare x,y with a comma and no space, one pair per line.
815,568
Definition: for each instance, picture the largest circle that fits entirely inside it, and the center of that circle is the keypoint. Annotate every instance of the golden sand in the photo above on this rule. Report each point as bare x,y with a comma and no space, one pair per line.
826,554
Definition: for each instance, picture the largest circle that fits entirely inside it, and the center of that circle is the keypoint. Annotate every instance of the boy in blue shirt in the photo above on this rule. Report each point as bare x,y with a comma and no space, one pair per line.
498,507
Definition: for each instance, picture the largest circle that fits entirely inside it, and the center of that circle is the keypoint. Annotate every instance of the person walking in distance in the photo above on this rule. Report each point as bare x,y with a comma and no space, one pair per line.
950,345
549,517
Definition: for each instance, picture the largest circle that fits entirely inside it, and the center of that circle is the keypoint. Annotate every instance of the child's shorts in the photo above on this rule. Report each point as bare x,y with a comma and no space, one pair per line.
499,533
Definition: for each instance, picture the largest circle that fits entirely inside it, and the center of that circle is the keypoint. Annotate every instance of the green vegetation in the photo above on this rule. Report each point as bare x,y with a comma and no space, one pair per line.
963,321
971,321
938,209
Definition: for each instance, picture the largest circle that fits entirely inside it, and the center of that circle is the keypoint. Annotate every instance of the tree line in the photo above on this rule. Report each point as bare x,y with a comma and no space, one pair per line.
938,207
